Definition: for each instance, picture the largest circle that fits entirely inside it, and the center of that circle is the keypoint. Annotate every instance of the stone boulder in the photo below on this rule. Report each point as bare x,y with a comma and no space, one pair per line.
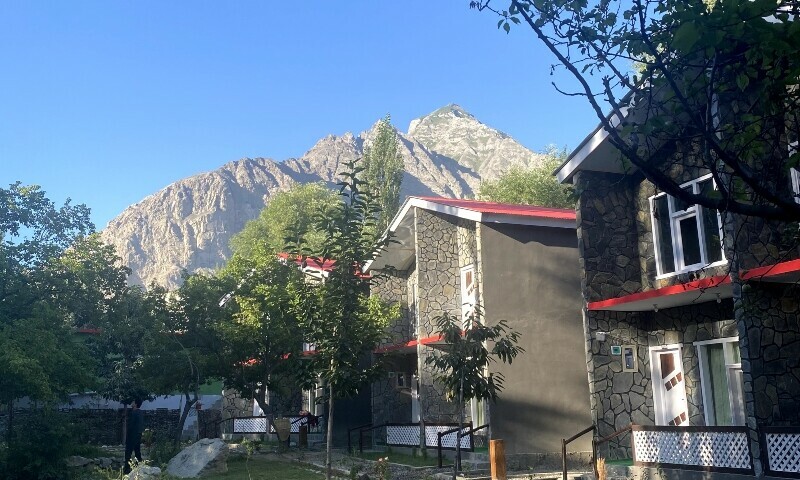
206,456
144,472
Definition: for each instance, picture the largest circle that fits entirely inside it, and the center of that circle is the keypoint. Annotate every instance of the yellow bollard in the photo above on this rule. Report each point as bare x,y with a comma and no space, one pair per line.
497,459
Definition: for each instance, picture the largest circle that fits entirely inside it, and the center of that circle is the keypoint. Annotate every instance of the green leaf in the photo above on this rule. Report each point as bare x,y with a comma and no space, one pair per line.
686,36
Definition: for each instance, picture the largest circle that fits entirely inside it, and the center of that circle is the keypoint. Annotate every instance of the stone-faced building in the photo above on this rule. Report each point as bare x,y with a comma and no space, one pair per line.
673,339
519,264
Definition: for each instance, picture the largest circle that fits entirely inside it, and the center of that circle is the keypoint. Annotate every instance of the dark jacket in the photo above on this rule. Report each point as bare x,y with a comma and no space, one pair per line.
135,426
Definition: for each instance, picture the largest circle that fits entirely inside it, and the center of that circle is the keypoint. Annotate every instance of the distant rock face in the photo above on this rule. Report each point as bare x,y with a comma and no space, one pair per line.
188,225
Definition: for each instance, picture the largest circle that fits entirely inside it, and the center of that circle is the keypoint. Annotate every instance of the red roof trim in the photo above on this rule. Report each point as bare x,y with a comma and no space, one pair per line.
412,343
759,273
661,292
505,208
792,266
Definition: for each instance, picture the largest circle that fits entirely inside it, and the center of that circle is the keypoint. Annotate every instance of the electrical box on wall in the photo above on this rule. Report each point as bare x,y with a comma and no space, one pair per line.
616,350
629,358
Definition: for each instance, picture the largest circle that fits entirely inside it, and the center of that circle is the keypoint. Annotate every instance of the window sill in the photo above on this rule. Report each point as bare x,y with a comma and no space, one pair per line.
691,269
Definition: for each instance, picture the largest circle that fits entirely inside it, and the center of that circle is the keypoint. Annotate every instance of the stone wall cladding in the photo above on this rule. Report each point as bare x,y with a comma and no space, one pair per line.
438,270
620,398
770,349
392,286
613,265
607,235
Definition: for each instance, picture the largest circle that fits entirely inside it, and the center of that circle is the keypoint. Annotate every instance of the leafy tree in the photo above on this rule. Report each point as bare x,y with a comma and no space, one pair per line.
720,77
38,357
470,347
185,338
262,340
383,171
288,215
339,317
532,186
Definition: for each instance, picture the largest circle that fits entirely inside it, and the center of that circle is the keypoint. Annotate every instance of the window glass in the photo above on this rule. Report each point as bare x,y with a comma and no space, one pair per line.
711,227
663,234
690,241
679,204
720,399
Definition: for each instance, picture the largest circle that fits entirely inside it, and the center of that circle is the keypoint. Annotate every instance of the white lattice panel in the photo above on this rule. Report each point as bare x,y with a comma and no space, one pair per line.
402,435
708,449
449,440
250,425
294,424
783,450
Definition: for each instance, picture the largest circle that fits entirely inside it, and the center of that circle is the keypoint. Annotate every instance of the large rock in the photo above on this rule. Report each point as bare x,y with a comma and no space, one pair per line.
144,472
188,224
206,456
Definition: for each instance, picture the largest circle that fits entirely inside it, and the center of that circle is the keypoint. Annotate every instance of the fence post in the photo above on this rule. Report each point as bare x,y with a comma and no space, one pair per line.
564,458
439,447
497,459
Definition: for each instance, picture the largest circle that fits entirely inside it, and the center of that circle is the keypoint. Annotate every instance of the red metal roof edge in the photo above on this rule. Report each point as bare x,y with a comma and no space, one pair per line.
409,344
512,209
758,273
660,292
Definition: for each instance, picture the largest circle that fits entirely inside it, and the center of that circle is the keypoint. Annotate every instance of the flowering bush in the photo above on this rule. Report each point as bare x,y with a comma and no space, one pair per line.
382,469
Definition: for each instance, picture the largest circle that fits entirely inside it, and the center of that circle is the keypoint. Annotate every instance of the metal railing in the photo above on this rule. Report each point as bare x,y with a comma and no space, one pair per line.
459,436
605,439
566,441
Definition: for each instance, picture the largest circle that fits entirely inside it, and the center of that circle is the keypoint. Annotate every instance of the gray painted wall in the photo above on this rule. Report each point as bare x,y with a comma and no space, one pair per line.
531,279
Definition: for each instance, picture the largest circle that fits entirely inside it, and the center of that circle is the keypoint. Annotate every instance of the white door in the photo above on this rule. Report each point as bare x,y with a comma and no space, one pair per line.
669,386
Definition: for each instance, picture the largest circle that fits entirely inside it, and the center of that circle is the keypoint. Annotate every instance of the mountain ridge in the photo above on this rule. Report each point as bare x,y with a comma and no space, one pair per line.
189,223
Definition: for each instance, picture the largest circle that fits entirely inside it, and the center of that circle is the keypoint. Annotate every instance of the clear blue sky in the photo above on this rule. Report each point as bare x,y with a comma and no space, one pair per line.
107,102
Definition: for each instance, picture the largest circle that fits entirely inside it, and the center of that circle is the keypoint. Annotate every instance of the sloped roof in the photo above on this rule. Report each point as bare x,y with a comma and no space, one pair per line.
400,251
531,211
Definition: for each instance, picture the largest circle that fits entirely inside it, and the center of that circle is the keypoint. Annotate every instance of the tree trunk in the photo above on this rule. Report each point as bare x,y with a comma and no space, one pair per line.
457,462
186,409
125,425
328,468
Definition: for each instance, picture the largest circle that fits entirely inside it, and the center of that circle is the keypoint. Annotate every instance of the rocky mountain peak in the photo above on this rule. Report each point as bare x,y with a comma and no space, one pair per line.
189,224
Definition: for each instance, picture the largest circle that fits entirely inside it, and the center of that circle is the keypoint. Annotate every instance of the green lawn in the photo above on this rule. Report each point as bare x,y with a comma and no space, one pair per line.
264,469
404,459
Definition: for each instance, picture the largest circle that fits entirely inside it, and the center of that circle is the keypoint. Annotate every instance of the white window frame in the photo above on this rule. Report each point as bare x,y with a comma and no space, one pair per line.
676,216
469,296
705,376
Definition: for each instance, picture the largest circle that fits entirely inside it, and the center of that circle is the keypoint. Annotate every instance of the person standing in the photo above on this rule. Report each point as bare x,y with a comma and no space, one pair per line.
133,437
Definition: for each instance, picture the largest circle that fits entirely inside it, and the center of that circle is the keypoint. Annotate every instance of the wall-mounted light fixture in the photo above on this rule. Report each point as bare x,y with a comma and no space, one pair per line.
600,336
719,298
655,307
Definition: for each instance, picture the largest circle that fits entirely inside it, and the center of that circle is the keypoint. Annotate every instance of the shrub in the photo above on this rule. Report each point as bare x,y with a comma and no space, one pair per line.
162,451
38,448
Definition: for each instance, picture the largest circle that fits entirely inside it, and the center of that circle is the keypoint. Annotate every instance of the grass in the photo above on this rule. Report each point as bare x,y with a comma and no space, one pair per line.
264,469
404,459
622,461
259,469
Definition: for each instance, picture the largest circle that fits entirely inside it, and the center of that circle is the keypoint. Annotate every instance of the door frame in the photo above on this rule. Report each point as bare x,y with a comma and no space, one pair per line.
657,387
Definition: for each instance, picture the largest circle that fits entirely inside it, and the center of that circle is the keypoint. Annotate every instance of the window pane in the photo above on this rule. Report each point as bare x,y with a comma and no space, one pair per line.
720,399
663,235
737,398
710,219
690,241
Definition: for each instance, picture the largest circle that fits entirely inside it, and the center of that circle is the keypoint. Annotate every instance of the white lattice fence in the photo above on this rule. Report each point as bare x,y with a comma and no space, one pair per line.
449,440
783,451
408,435
402,435
708,448
250,425
294,424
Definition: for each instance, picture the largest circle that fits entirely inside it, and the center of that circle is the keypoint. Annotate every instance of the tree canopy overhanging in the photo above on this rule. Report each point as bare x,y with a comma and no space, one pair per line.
719,76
